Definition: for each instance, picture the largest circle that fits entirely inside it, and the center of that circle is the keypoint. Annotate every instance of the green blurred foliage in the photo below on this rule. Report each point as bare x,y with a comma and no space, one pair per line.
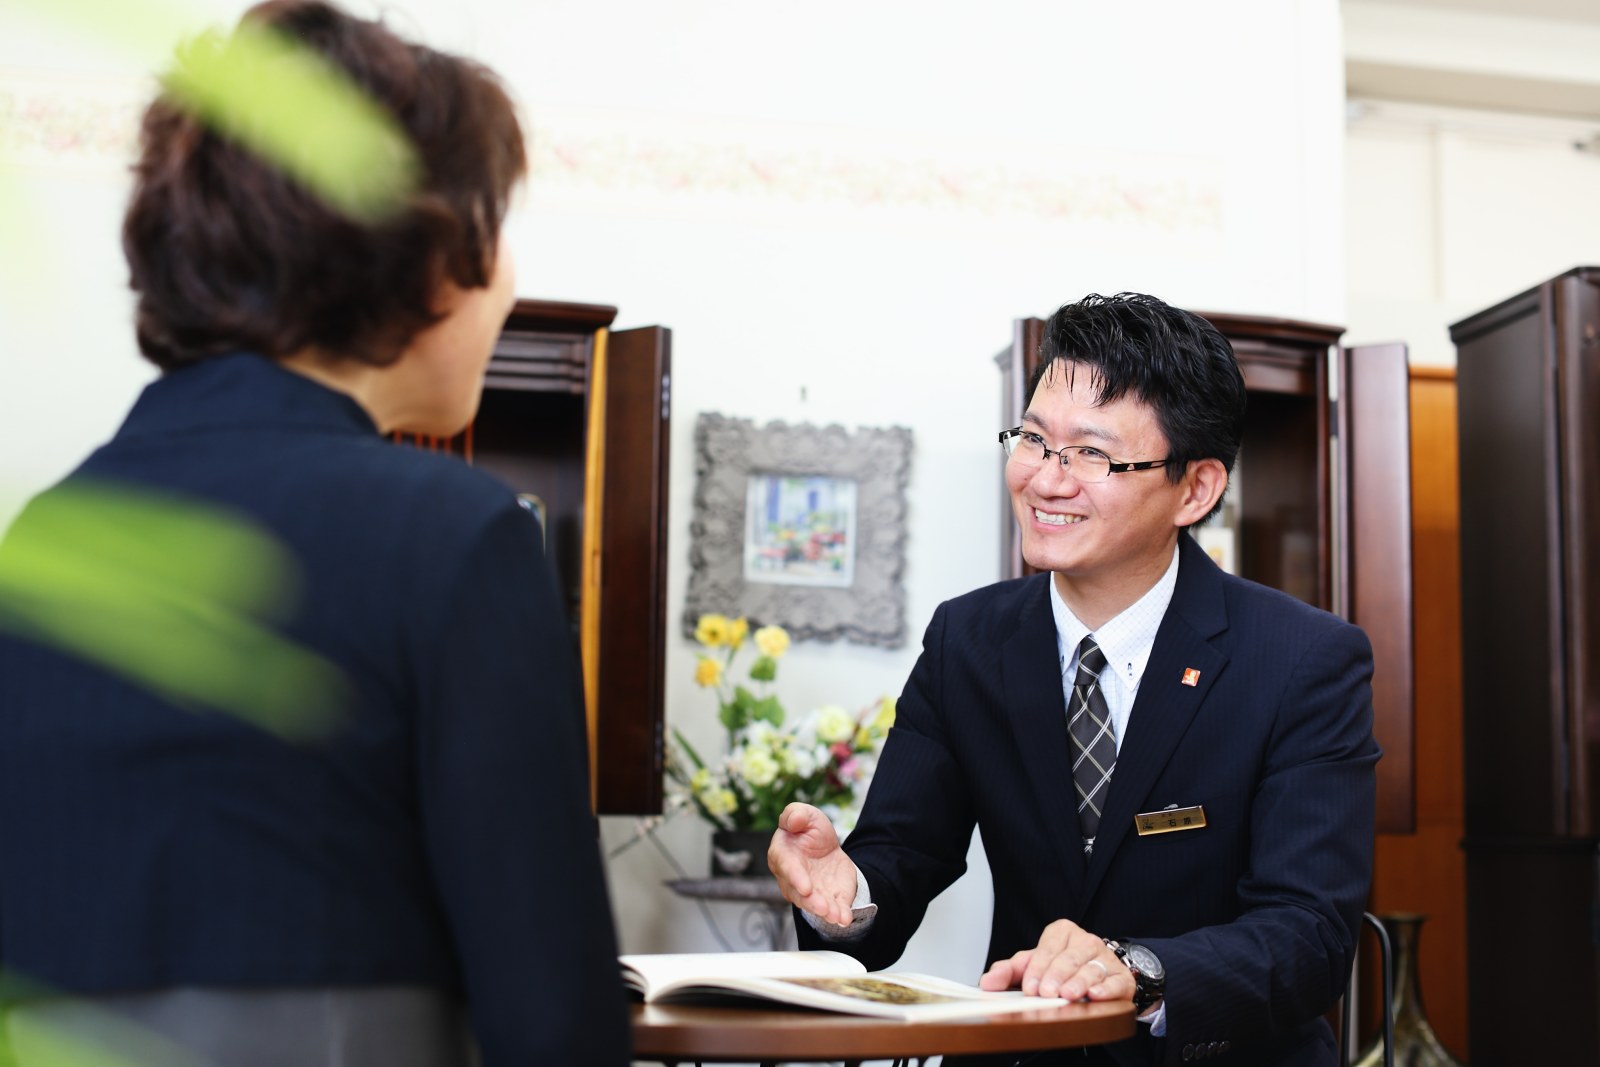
290,106
98,1039
176,597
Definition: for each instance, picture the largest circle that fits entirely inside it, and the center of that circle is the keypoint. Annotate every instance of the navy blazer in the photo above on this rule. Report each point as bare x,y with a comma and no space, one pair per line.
1255,916
147,845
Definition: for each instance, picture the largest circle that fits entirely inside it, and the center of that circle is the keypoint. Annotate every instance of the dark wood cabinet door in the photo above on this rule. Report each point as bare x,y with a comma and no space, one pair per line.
575,418
1376,580
628,677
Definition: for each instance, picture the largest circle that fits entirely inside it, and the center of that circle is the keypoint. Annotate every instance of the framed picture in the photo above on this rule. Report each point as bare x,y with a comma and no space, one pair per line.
799,529
800,526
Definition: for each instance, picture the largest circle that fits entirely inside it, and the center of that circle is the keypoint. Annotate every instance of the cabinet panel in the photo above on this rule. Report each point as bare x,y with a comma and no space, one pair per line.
575,419
1375,431
633,566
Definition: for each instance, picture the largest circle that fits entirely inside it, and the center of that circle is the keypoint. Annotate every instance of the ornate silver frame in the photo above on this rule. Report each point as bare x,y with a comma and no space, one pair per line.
872,610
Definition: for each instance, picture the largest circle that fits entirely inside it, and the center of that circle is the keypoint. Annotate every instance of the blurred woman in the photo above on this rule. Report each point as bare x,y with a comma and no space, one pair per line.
424,863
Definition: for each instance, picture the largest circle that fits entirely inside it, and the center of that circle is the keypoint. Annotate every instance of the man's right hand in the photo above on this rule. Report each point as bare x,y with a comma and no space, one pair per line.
812,870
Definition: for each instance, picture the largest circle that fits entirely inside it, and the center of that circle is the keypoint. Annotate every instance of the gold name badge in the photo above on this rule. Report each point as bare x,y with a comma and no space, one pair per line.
1170,821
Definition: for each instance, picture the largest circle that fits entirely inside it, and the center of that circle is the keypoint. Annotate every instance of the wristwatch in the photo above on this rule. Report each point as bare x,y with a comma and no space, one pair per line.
1149,977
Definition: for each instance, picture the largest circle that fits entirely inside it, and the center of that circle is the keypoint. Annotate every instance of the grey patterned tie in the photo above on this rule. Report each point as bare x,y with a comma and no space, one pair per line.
1094,749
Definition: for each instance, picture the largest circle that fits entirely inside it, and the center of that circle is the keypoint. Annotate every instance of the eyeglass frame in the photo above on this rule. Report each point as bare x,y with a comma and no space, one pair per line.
1112,466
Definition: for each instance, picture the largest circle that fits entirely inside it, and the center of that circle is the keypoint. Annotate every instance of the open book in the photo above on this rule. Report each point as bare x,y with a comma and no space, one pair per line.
829,981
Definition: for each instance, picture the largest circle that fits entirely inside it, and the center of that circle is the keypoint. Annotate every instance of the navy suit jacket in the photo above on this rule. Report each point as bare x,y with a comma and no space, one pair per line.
1255,916
148,845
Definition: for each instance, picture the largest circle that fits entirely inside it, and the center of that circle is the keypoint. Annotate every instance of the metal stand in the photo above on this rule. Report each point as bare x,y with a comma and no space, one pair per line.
766,922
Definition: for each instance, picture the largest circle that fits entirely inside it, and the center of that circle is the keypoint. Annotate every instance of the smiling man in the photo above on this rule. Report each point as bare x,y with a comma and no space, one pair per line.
1171,767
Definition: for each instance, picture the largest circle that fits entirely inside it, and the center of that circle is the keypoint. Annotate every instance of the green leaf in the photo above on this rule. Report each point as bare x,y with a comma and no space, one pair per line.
264,90
764,669
183,599
683,743
768,710
732,716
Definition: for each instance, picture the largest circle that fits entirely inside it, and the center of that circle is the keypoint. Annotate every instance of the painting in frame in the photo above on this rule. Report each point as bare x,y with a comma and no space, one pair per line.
800,526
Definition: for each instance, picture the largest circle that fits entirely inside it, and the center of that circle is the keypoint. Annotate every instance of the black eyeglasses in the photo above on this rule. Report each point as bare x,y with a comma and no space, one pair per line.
1086,464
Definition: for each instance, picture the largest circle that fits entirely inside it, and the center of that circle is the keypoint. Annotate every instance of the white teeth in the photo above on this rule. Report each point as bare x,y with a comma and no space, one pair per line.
1055,520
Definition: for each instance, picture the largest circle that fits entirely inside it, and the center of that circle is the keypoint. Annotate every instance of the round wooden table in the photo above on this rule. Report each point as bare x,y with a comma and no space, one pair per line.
696,1033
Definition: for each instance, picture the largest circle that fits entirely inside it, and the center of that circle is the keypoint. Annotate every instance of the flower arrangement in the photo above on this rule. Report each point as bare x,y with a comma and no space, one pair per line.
825,759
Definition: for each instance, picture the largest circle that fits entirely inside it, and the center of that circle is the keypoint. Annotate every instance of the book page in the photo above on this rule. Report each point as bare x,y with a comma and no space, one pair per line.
875,988
896,996
652,973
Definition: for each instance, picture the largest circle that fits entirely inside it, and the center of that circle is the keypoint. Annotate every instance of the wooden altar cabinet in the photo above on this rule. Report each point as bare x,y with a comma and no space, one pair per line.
576,419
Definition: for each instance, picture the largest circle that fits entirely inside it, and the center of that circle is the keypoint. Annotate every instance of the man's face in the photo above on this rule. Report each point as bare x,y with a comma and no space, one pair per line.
1100,538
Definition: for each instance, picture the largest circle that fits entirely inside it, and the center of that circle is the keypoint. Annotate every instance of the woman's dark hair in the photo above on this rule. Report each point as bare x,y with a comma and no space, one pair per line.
1175,361
229,252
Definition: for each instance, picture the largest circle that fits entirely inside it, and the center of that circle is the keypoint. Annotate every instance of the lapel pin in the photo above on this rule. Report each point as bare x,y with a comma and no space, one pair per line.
1191,676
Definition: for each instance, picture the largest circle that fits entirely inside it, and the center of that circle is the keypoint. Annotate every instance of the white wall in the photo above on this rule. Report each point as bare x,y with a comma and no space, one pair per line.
837,207
1450,211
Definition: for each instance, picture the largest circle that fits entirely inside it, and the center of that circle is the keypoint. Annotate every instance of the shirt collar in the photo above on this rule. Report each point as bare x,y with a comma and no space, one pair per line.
1127,638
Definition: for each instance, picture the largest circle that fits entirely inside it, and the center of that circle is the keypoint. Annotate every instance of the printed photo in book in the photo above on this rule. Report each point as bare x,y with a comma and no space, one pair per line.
825,981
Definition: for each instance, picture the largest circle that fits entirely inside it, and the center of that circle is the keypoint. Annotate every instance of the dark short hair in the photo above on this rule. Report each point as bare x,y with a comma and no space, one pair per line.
1175,361
228,252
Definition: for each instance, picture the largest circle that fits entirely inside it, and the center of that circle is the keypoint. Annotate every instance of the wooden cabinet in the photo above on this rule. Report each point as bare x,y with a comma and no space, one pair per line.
1528,376
1323,507
576,419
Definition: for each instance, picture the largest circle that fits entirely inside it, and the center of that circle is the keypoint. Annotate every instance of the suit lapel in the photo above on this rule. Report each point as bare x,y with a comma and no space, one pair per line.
1165,705
1030,664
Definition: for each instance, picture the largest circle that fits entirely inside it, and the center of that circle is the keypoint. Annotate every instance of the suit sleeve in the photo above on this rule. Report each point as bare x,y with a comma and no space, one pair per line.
1287,958
502,759
916,825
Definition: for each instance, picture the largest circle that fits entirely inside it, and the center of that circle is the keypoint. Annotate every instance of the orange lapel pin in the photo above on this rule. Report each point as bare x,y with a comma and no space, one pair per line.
1191,676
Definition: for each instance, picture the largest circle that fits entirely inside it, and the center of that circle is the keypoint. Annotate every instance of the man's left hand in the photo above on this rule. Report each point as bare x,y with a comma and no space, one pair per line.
1068,962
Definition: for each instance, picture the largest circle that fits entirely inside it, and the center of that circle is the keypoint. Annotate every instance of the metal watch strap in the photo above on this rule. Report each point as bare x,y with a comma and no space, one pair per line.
1146,990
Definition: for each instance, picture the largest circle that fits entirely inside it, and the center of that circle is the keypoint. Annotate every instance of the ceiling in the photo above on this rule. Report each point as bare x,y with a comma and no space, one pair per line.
1526,56
1568,10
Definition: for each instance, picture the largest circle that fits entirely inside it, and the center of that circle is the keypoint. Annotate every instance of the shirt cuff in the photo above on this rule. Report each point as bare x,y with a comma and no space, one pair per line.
857,929
1156,1020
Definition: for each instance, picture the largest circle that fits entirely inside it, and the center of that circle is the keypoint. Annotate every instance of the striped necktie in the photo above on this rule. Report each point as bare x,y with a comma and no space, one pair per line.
1094,749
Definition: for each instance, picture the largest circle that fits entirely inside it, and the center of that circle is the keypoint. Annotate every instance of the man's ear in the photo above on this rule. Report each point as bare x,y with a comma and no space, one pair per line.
1203,483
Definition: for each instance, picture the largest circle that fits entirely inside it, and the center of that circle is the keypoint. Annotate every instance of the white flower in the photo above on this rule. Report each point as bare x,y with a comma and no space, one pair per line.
760,734
758,766
834,724
720,801
804,761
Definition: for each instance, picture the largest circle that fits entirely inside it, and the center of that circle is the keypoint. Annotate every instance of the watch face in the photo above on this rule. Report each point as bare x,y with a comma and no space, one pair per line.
1145,962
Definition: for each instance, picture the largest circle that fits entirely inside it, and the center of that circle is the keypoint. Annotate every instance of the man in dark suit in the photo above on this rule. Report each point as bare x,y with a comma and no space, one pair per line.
1171,767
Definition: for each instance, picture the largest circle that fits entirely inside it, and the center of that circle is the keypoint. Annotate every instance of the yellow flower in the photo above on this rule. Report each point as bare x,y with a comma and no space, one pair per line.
701,781
720,802
885,717
834,724
712,630
737,629
772,641
707,672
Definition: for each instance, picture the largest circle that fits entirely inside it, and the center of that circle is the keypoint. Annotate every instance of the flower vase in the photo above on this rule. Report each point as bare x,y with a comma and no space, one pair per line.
739,853
1415,1043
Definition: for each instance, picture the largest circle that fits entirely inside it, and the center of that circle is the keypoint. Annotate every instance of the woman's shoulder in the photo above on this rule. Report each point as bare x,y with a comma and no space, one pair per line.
423,492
